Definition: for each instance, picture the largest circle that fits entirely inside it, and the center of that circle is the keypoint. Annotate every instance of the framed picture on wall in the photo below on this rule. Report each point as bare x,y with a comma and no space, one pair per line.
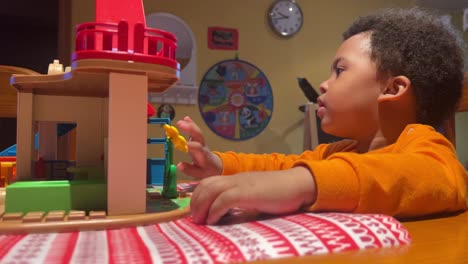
223,38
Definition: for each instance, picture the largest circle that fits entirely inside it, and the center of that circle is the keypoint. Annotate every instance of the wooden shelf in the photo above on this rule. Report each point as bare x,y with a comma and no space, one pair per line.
89,78
178,94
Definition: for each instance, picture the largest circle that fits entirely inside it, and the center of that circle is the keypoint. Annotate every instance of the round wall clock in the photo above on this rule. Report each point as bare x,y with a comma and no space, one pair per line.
285,17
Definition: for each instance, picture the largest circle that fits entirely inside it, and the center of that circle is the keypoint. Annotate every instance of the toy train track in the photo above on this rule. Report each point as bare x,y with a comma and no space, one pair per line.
158,210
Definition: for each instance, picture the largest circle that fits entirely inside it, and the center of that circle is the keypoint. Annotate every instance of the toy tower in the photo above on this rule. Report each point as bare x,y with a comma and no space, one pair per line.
117,60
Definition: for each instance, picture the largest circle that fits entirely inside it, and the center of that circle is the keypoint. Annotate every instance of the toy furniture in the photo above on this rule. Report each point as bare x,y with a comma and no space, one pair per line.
162,171
117,61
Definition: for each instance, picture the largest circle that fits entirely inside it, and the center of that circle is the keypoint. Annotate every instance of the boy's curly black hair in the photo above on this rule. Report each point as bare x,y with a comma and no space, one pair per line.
416,44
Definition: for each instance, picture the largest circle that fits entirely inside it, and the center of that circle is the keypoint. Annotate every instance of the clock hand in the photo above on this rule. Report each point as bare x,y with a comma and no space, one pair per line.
283,15
279,18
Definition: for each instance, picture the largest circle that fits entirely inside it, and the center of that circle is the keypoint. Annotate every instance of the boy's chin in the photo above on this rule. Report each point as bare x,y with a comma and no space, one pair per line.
333,131
327,128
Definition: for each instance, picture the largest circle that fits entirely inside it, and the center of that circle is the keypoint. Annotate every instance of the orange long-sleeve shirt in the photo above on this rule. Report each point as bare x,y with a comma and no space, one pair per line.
417,175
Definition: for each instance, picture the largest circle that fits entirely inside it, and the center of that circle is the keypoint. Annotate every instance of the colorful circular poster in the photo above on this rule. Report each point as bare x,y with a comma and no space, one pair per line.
235,99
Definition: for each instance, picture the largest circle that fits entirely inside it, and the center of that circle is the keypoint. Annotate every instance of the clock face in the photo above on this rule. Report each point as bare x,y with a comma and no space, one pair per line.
285,17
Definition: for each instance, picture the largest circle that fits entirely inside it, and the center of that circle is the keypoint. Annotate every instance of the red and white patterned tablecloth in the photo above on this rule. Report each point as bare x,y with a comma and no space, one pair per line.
182,241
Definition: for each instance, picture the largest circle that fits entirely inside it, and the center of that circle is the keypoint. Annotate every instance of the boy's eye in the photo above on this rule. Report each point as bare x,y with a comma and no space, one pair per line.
338,71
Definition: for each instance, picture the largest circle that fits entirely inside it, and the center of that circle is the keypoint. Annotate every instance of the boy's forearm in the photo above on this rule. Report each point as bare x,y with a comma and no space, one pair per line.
234,163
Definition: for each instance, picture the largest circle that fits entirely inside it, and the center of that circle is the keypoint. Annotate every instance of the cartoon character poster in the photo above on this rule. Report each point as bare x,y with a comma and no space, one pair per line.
235,99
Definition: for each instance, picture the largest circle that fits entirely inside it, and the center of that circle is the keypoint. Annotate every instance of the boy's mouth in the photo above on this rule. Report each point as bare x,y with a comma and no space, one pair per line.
320,102
321,108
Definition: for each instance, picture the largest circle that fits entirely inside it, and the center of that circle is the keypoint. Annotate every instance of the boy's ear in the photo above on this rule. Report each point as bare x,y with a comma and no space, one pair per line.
396,88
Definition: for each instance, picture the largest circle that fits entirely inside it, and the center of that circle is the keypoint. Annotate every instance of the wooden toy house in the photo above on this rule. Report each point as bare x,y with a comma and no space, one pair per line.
117,61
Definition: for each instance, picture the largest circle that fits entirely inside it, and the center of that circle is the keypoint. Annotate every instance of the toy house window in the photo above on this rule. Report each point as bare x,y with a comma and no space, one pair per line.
55,149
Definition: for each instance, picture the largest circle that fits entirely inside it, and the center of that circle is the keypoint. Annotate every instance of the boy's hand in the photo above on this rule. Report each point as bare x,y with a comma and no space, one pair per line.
274,192
204,162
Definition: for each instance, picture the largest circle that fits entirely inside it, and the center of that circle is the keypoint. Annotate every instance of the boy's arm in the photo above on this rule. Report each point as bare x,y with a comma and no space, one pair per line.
239,162
421,178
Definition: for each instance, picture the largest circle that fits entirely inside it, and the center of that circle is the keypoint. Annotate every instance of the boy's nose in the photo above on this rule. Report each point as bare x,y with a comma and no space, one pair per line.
324,87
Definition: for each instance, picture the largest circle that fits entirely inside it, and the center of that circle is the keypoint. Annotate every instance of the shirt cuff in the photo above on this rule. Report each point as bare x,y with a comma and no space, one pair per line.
336,183
228,162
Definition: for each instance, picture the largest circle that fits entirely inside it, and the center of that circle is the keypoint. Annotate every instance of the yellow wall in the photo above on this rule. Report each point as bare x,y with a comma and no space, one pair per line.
308,54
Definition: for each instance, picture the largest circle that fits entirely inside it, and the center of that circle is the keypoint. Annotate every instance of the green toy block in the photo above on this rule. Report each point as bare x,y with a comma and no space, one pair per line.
33,196
86,173
88,195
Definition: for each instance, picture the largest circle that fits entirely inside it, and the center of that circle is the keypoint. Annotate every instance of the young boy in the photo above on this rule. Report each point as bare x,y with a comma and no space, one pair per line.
397,75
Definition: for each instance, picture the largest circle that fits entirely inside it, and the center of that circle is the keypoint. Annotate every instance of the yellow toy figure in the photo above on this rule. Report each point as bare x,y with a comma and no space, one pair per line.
173,134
